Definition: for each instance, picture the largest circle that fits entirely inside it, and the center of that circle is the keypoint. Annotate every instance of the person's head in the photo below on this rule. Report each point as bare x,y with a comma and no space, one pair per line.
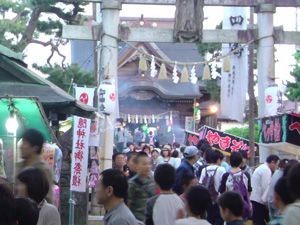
164,176
231,206
146,149
289,165
215,157
130,145
294,181
166,151
31,143
27,211
118,160
245,156
207,155
154,154
151,147
7,206
131,161
191,154
194,196
272,161
142,144
236,159
150,133
175,154
188,181
112,186
93,152
203,145
281,196
176,145
32,183
143,164
182,148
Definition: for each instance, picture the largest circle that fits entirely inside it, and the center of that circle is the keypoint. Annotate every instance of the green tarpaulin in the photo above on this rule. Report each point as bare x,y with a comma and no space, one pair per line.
31,117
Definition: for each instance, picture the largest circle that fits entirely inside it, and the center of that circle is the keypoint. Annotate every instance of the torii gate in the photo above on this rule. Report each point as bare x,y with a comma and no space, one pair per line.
110,28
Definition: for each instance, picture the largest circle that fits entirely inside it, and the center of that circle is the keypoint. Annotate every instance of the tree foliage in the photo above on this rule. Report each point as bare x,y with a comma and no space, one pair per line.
22,22
244,132
293,88
65,78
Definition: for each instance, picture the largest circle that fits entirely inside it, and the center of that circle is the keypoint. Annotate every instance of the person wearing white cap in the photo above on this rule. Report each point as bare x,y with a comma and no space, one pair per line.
166,157
186,167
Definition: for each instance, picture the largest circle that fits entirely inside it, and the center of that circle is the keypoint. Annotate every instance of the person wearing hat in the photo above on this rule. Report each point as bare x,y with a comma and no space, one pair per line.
165,157
186,167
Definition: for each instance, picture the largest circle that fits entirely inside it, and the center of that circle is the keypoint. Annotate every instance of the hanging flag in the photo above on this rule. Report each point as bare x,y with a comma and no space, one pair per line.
272,100
85,95
234,81
80,154
107,98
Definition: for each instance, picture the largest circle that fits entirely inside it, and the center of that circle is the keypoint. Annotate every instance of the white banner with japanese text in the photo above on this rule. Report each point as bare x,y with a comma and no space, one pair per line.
80,154
234,81
85,95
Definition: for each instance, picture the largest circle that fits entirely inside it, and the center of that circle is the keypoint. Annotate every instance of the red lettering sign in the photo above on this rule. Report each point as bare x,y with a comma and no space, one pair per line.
82,123
224,143
79,155
212,138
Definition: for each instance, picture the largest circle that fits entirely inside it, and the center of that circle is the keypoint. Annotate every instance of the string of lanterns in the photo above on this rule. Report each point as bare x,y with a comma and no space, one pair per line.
209,70
148,119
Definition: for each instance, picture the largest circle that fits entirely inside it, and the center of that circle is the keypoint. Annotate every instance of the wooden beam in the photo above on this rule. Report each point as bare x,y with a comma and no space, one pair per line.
239,3
142,34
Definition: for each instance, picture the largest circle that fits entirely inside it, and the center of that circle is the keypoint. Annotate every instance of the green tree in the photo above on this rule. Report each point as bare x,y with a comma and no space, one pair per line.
293,88
244,132
65,78
22,22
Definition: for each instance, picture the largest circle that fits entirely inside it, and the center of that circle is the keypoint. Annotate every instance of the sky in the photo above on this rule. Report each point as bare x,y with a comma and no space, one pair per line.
214,15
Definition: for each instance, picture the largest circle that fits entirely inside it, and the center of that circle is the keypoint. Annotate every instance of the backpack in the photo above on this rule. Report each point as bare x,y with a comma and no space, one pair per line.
240,187
209,183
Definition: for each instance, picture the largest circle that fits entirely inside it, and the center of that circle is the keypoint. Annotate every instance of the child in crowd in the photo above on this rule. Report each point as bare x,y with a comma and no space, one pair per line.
196,212
141,186
231,208
163,208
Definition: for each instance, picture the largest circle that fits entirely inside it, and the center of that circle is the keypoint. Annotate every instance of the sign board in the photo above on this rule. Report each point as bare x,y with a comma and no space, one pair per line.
80,154
219,140
280,128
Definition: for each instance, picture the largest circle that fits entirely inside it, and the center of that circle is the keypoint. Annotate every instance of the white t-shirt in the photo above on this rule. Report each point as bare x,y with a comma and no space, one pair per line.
191,221
165,209
218,176
172,161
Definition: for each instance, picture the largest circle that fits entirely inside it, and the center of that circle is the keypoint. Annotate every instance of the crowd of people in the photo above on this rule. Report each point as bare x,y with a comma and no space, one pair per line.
170,184
164,185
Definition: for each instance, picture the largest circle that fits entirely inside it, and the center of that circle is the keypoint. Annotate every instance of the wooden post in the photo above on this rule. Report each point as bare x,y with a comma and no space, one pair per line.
109,68
265,60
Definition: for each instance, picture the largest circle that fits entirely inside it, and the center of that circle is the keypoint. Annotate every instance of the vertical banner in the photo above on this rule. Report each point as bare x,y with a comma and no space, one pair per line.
272,101
85,95
234,82
80,154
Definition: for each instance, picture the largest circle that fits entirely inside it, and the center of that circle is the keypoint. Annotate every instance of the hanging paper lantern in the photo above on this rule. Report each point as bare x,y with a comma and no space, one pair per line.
162,72
153,119
136,119
206,73
145,120
226,64
193,77
153,71
175,74
143,64
184,75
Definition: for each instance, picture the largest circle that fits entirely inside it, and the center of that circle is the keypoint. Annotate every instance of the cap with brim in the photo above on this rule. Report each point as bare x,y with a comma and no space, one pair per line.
190,151
166,148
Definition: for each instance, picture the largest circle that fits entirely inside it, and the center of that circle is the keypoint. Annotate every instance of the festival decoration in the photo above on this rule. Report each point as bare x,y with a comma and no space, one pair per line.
163,72
175,77
206,73
153,71
184,75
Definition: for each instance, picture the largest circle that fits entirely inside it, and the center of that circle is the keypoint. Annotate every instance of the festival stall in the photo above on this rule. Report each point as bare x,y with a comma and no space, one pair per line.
281,133
219,140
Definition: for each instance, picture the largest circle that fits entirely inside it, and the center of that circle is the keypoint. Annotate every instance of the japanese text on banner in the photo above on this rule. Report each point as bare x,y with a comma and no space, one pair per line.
80,154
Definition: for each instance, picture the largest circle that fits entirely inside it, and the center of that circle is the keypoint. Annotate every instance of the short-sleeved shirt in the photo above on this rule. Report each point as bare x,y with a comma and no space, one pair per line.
120,215
191,221
163,209
218,176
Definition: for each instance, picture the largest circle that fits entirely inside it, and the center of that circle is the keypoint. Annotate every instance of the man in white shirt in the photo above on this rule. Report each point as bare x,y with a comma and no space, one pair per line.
213,171
261,179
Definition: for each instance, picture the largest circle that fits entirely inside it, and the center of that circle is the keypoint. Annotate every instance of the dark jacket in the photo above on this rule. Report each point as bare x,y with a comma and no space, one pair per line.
184,169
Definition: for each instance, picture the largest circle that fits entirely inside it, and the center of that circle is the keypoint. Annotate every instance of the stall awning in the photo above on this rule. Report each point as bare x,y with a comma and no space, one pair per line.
18,81
30,115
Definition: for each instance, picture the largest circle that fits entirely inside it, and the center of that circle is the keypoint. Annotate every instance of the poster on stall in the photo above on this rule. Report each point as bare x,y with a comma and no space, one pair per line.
49,155
93,167
219,140
80,154
94,132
